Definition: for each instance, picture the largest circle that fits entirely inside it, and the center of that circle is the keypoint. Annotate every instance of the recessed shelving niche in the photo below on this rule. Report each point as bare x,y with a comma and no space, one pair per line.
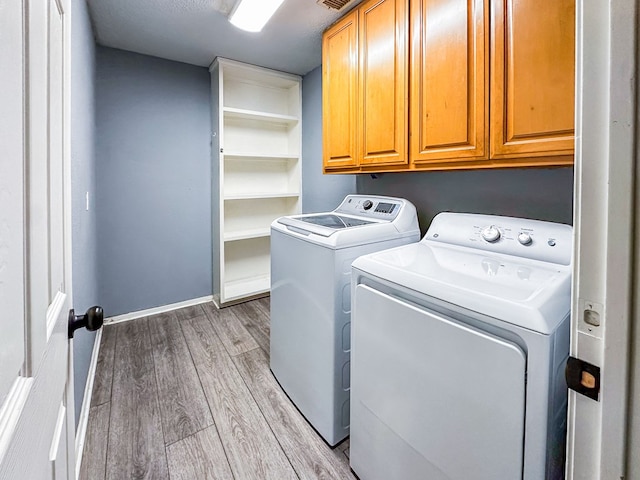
246,216
246,268
256,170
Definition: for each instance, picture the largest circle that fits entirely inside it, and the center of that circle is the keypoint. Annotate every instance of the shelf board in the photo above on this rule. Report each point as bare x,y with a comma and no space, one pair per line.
246,234
258,195
230,112
246,287
261,156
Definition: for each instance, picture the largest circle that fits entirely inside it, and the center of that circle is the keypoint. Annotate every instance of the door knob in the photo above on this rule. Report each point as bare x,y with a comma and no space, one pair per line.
92,320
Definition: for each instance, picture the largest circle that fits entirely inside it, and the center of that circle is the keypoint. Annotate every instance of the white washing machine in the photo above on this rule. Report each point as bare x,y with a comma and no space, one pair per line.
459,344
311,259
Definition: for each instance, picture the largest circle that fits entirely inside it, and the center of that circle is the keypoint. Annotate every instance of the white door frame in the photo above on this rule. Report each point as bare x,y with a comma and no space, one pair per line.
604,196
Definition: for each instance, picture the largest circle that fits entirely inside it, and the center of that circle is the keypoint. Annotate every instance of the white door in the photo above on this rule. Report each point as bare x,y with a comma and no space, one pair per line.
36,393
606,134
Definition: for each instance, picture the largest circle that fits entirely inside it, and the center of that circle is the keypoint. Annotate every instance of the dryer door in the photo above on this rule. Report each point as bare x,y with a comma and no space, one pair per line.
432,398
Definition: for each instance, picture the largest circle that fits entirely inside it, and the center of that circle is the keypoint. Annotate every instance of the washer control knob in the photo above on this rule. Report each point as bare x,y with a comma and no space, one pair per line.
491,234
525,239
367,204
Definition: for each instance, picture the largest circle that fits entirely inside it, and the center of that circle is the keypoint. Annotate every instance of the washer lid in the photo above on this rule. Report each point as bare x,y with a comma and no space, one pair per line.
524,292
325,224
358,220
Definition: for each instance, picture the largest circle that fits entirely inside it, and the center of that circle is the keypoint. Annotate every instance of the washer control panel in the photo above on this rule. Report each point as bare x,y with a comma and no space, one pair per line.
383,208
535,239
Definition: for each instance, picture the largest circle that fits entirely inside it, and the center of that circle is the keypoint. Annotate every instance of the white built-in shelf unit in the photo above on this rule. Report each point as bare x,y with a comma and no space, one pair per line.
256,143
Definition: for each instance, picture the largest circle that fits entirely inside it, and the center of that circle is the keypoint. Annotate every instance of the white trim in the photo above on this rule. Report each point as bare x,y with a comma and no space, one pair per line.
86,402
54,311
633,466
64,6
57,433
604,229
156,310
12,409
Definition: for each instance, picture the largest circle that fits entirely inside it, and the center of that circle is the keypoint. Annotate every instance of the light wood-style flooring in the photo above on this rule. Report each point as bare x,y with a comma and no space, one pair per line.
189,395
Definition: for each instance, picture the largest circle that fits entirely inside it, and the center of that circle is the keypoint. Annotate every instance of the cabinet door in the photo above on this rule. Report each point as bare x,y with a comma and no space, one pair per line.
340,93
383,82
449,80
532,84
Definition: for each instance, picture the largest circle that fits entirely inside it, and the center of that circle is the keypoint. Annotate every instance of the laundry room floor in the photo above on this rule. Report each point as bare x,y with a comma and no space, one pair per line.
188,394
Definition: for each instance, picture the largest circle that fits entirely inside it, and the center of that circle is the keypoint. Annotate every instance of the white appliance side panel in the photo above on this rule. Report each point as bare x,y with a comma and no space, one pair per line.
310,327
303,326
431,398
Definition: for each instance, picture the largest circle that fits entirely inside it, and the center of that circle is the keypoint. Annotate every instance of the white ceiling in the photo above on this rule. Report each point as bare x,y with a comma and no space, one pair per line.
197,31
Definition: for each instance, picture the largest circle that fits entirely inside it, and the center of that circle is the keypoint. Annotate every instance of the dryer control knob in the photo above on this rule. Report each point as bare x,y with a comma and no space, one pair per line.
524,238
491,234
367,204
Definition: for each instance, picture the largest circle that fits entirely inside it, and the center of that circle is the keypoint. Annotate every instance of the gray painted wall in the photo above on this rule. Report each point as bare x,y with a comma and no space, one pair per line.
542,194
83,169
153,195
320,193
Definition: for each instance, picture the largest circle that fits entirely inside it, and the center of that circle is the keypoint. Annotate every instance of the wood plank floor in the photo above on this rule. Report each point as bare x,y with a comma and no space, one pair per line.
189,395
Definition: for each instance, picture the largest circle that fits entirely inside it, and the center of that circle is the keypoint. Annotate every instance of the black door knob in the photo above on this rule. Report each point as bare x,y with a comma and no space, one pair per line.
92,320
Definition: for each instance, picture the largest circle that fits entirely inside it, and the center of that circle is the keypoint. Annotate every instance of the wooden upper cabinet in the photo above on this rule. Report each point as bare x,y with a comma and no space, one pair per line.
384,63
490,84
532,86
340,93
449,81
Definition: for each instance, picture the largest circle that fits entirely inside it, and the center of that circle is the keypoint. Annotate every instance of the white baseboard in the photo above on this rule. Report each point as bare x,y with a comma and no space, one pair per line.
81,433
154,311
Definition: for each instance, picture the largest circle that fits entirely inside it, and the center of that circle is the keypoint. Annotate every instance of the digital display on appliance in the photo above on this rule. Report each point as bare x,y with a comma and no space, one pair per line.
385,207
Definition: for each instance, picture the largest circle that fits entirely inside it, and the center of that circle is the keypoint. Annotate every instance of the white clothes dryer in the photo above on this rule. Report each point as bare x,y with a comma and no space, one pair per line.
311,259
459,344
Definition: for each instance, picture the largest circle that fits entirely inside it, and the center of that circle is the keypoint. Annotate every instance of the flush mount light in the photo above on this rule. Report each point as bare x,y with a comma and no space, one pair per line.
252,15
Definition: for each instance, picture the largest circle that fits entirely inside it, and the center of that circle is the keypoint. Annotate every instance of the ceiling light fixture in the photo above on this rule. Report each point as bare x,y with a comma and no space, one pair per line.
252,15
